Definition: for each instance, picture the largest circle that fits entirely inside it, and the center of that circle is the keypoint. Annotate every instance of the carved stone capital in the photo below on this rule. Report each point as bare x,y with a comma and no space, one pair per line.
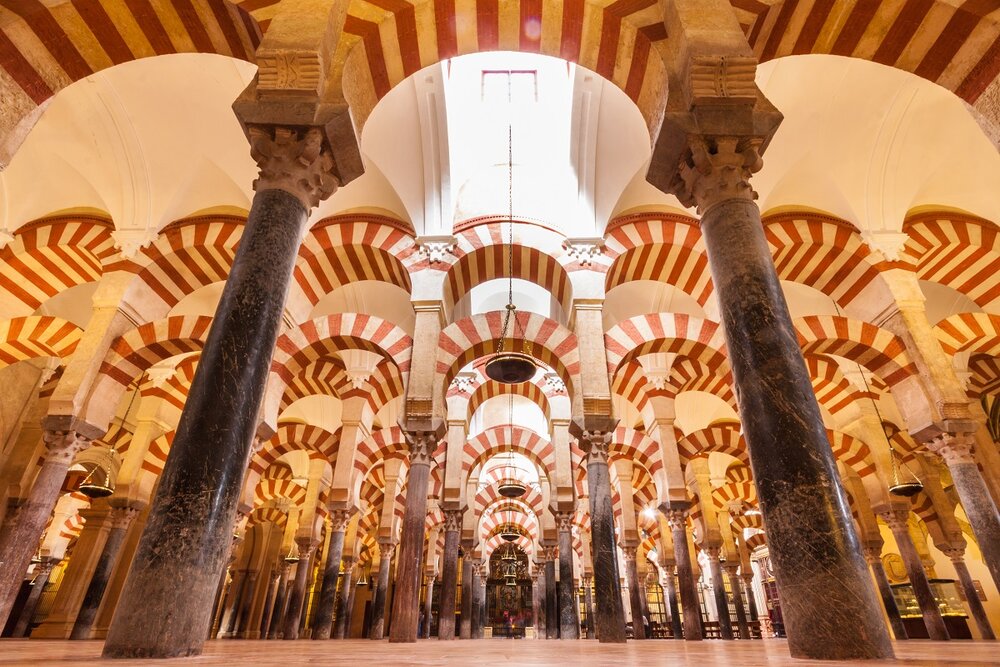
348,565
422,445
339,518
629,552
595,444
294,160
714,552
564,521
717,169
306,545
873,553
895,519
63,446
953,448
436,249
453,520
676,519
122,517
954,552
584,250
386,548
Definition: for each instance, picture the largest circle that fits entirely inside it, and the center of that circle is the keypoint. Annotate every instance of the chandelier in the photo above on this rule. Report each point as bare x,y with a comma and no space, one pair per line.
100,481
510,486
510,366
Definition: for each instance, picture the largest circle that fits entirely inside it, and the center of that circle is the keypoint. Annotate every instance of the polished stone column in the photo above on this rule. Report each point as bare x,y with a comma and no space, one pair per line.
406,600
340,627
551,601
297,592
23,530
538,609
588,600
449,573
385,549
121,519
897,522
42,572
569,620
741,612
873,554
323,625
677,518
634,594
670,590
610,616
185,544
752,600
269,603
280,602
469,582
719,592
428,607
478,600
810,530
984,517
957,556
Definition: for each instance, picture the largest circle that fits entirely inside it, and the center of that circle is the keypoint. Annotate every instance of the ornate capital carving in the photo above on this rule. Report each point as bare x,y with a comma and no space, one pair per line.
714,552
873,553
339,518
717,169
422,445
564,521
348,565
554,383
436,248
595,444
293,160
306,545
717,79
386,548
895,519
953,448
63,446
122,517
130,241
584,250
629,552
954,552
453,520
676,518
463,382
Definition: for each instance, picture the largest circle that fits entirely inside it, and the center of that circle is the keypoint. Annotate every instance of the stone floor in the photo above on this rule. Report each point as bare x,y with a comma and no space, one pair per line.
488,652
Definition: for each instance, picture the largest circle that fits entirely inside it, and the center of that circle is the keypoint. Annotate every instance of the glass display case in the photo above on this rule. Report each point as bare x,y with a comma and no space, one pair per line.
946,594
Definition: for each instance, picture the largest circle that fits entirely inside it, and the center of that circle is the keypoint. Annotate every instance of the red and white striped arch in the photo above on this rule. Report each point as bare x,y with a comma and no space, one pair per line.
833,391
327,377
52,255
985,375
485,262
615,40
174,390
188,255
351,248
724,439
534,391
156,455
639,448
382,444
37,336
974,333
262,515
499,439
488,497
954,44
470,338
661,247
676,333
878,350
824,253
272,489
960,251
854,453
135,351
296,437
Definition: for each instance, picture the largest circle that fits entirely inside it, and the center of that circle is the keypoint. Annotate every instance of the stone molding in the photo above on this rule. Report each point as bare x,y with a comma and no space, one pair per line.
436,249
584,250
294,161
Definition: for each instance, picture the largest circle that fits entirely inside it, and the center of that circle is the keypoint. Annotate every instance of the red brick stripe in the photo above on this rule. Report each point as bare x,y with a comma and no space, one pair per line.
902,31
192,23
19,69
447,33
48,30
813,25
97,19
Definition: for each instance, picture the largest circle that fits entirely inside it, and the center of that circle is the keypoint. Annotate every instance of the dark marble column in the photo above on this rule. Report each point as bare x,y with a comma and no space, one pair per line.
551,602
428,607
677,518
588,600
42,572
897,521
385,549
984,517
297,591
350,611
23,530
810,530
741,612
280,602
957,556
752,600
449,573
121,519
269,604
634,594
670,589
343,600
165,607
323,625
610,615
873,555
719,592
538,608
406,599
569,620
246,604
468,594
478,600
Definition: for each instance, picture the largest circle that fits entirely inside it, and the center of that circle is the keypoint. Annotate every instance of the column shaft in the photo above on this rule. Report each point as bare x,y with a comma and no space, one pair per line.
478,603
121,518
588,599
675,617
280,602
610,614
386,550
468,595
184,547
449,578
933,620
323,626
719,592
634,593
551,601
972,599
269,604
42,572
569,621
406,598
428,607
793,465
538,608
685,576
741,612
885,590
297,592
340,627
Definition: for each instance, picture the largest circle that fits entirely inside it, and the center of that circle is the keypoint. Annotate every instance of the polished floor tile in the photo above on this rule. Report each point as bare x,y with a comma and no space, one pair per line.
488,652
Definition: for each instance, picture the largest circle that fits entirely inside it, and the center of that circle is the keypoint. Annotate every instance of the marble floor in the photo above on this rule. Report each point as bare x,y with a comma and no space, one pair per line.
487,652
